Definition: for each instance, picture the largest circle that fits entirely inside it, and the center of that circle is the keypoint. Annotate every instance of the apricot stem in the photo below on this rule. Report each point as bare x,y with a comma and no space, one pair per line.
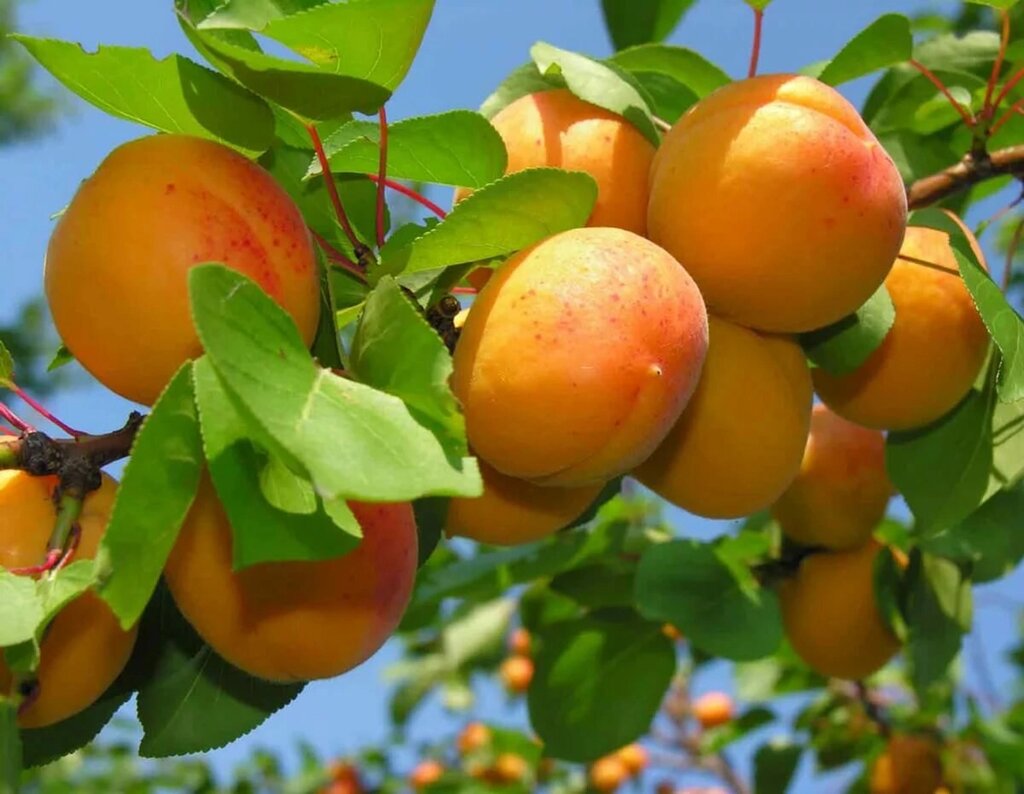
755,50
338,258
661,124
408,192
872,709
934,80
987,107
1016,107
40,455
39,409
464,290
332,192
382,175
1008,87
11,418
1011,253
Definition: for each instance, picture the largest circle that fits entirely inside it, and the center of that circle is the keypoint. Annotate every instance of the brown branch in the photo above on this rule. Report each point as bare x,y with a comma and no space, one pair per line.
75,459
967,173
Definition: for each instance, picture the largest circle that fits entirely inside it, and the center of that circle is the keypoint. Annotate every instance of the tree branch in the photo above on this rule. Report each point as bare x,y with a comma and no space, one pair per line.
967,173
75,459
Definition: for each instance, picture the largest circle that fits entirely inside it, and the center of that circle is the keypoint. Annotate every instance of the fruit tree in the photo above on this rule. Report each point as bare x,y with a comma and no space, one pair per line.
654,288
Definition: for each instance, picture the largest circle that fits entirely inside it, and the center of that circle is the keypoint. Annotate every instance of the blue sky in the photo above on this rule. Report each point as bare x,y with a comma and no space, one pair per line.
469,47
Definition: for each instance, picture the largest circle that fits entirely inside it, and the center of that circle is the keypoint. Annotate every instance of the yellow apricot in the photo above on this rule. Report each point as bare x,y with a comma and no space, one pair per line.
578,357
931,355
118,260
513,511
516,673
841,492
909,765
555,128
831,615
738,443
426,774
713,709
84,648
294,621
780,201
608,773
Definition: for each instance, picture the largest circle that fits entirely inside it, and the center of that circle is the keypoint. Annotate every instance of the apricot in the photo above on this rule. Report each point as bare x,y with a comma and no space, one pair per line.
608,773
780,201
426,774
738,443
713,709
634,757
510,768
344,779
578,356
513,511
516,673
841,492
931,355
831,615
909,765
519,642
117,263
557,129
294,621
473,737
84,648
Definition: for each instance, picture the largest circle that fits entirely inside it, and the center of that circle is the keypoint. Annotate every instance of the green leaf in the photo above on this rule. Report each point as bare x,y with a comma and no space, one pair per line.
506,216
775,763
10,749
688,584
991,539
1007,446
251,14
310,91
6,364
21,609
523,80
60,358
758,5
395,350
885,42
597,586
195,701
1000,4
374,40
1003,323
353,442
260,532
845,345
155,494
683,65
938,614
171,95
632,22
431,512
455,148
597,83
598,684
958,449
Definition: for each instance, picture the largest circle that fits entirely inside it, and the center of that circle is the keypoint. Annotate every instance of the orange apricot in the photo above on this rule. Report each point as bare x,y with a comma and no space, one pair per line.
519,642
739,442
932,354
426,774
473,737
294,621
909,765
780,202
344,779
634,757
513,511
713,709
831,615
516,673
608,773
84,648
510,768
841,492
557,129
118,260
578,356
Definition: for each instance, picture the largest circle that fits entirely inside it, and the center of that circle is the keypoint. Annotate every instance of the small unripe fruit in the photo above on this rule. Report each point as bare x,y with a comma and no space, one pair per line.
516,673
713,709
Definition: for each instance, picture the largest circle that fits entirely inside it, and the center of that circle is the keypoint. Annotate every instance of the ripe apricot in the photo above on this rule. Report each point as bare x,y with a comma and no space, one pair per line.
513,511
509,768
84,648
519,642
516,672
473,737
931,355
831,615
841,492
344,779
909,765
578,357
780,201
608,773
634,757
294,621
557,129
425,774
117,263
713,709
739,442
